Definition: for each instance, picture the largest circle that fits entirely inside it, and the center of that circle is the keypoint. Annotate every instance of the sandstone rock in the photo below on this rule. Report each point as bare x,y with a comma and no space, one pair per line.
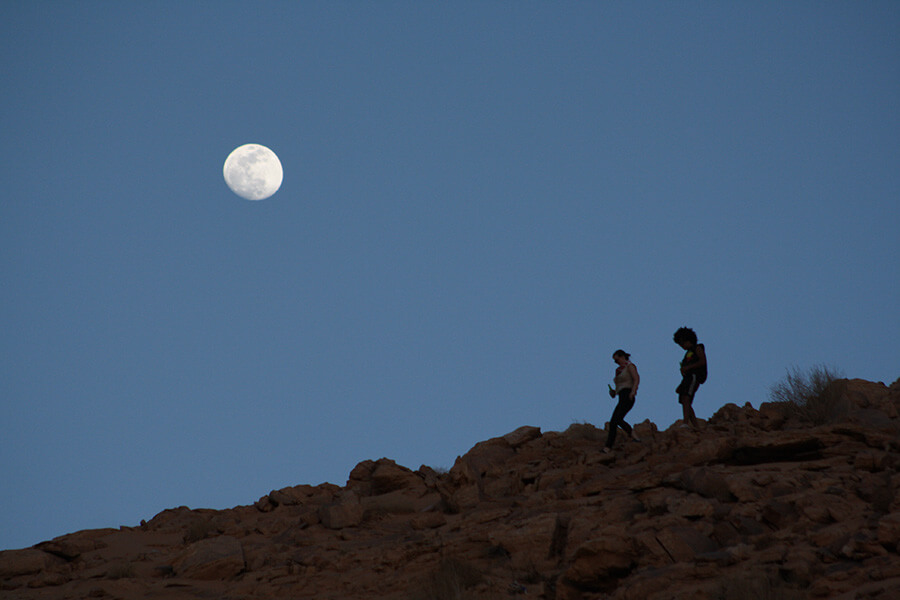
428,520
598,563
772,415
522,435
691,506
707,483
399,502
862,545
360,480
815,507
464,498
28,561
684,543
889,531
779,514
181,517
302,494
656,500
529,543
505,485
666,583
729,413
759,504
347,512
211,559
807,448
709,450
652,552
620,508
265,504
388,476
48,580
834,537
746,487
67,548
485,458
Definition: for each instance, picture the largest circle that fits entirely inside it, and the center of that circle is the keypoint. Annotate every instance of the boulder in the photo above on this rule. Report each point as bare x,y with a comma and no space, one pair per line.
522,436
215,558
484,459
68,548
599,562
793,450
707,483
28,561
691,506
399,502
428,520
347,512
889,531
684,543
302,494
388,476
529,543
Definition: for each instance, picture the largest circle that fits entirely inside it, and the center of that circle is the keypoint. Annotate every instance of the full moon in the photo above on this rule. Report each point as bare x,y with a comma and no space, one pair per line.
253,172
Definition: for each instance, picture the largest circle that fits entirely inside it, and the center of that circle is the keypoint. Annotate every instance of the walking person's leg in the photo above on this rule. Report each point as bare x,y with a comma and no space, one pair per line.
686,392
689,388
618,418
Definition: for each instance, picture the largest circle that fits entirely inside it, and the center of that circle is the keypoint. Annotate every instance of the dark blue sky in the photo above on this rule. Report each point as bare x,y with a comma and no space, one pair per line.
481,202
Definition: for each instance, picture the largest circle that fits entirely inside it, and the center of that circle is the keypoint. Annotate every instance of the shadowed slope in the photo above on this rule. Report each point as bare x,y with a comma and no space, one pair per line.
756,504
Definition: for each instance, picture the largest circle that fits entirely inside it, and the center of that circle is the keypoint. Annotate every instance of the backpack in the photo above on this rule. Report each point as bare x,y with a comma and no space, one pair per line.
701,373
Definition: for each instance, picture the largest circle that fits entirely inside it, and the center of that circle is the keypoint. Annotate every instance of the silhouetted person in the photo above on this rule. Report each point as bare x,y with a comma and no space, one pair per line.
627,381
693,372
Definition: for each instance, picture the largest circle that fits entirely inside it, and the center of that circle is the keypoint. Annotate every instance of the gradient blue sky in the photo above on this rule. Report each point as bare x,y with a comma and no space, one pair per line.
481,202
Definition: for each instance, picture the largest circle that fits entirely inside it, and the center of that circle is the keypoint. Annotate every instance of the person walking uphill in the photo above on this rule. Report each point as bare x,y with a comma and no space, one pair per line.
627,381
693,372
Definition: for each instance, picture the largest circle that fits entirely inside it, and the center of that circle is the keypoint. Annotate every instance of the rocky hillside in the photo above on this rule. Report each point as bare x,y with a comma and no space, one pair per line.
758,504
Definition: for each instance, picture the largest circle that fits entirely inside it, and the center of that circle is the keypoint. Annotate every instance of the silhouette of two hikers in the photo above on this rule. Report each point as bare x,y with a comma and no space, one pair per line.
693,373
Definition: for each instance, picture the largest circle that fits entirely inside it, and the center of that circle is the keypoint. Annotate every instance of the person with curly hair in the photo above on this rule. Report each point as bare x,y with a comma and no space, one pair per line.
627,381
693,372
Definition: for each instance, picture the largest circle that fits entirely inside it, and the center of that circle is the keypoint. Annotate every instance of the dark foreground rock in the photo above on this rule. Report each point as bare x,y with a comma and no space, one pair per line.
757,504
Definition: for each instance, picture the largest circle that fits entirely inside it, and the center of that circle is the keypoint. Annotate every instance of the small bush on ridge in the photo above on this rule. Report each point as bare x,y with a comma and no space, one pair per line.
817,396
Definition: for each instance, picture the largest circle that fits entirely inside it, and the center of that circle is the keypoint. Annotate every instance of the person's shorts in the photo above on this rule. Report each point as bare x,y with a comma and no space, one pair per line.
688,386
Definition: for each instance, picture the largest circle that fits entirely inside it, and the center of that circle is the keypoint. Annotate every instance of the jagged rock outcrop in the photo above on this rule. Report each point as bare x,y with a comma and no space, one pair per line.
760,503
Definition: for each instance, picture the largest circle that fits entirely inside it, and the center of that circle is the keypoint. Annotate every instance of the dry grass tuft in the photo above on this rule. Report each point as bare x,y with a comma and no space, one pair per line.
817,396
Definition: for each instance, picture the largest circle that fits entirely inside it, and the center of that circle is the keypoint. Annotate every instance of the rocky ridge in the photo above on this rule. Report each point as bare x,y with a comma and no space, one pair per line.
757,504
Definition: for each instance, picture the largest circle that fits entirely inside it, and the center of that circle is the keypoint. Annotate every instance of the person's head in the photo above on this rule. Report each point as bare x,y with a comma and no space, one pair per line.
621,357
685,337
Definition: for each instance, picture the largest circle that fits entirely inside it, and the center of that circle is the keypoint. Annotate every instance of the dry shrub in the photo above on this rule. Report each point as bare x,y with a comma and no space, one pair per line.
817,396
